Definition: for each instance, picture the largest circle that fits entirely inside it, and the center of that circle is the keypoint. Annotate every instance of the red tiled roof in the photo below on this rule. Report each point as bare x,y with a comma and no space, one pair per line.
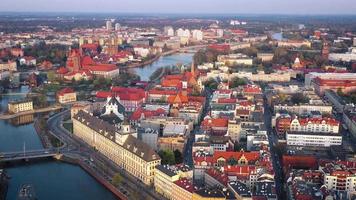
146,113
65,91
100,67
222,178
62,70
87,60
185,184
225,100
90,46
219,122
329,121
250,156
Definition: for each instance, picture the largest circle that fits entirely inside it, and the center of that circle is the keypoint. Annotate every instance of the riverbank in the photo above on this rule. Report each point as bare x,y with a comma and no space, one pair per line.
41,110
3,184
91,172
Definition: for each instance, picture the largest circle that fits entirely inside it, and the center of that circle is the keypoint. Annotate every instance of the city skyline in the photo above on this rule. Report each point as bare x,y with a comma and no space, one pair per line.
302,7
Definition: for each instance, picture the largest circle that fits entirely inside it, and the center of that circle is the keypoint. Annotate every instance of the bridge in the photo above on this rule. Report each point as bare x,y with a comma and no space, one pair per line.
28,155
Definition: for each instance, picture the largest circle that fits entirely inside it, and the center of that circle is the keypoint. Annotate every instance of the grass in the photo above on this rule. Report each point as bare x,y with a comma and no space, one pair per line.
68,126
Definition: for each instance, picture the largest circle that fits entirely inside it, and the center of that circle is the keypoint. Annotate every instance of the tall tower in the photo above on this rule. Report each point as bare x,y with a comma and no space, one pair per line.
192,69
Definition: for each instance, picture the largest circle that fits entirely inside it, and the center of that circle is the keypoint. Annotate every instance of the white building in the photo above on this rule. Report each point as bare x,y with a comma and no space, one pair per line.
197,35
346,57
235,59
309,139
169,31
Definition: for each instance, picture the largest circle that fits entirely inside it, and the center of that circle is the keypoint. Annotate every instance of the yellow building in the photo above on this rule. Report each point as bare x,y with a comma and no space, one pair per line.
182,189
20,106
171,143
164,180
119,144
234,130
66,95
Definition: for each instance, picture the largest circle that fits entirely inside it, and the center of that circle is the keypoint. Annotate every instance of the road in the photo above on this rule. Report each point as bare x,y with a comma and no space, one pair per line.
187,153
272,139
103,166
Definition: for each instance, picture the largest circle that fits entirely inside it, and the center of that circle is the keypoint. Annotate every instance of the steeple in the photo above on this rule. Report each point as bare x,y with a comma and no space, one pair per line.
192,68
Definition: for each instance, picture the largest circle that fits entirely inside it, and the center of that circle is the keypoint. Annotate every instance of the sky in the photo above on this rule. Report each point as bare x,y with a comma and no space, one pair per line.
301,7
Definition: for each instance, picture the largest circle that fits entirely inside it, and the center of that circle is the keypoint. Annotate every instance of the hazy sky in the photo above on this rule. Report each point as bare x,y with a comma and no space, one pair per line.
186,6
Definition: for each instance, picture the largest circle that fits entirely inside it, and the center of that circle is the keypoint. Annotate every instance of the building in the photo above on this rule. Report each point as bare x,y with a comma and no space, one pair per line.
171,143
119,144
240,190
265,57
211,194
164,180
294,43
324,125
20,106
345,57
8,66
349,117
183,189
109,25
335,84
340,175
304,108
66,95
313,139
337,102
235,59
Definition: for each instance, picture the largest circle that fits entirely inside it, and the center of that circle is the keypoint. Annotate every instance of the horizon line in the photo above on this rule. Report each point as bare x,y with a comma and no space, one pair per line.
173,13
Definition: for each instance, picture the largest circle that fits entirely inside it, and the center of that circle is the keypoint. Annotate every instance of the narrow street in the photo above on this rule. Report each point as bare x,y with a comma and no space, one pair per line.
277,165
187,154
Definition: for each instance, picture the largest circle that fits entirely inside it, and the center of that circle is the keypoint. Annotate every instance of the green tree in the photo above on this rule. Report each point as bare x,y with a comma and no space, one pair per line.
211,83
178,156
117,179
167,157
236,82
299,98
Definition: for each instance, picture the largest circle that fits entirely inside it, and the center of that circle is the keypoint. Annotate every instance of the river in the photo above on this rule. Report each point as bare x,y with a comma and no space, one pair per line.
146,71
56,180
51,180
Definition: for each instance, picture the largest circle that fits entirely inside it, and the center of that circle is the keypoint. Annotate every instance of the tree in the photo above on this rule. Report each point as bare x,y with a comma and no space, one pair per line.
299,98
211,83
167,157
117,179
178,156
236,82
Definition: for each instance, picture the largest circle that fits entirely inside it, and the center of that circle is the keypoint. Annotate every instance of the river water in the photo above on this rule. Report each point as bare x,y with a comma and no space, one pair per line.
146,71
51,180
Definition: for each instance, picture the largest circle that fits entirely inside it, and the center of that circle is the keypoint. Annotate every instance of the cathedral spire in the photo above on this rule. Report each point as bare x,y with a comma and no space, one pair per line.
192,68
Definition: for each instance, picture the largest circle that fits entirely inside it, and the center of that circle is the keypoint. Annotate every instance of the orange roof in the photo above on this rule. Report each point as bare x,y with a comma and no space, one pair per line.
179,98
64,91
252,156
219,122
329,121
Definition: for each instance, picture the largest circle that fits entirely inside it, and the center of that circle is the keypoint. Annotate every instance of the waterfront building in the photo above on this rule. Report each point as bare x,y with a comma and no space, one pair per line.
164,180
119,144
20,106
66,95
